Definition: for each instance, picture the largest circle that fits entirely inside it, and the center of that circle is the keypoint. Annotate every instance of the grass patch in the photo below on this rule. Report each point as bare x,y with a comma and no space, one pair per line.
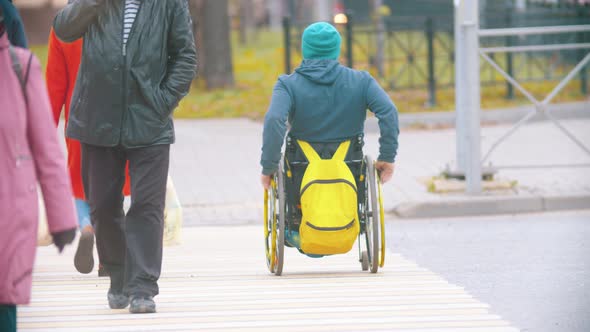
258,65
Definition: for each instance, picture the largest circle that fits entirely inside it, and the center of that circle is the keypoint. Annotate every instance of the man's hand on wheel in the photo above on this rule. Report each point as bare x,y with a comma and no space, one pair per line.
385,170
265,180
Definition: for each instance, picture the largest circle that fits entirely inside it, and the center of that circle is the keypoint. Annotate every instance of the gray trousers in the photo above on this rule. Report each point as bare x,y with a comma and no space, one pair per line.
129,246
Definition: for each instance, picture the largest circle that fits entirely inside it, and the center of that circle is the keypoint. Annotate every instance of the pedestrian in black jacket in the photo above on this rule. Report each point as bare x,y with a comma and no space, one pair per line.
138,62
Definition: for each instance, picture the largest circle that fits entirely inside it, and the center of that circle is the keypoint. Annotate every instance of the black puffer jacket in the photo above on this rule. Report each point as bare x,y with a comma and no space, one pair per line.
128,99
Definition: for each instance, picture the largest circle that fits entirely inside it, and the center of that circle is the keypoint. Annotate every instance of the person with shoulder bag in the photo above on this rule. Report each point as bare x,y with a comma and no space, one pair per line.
31,156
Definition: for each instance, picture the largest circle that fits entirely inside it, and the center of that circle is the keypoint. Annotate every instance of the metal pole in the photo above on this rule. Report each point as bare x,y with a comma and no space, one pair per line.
287,36
431,78
349,40
510,79
509,64
535,48
473,172
461,145
468,81
380,29
567,78
584,72
540,106
584,81
543,30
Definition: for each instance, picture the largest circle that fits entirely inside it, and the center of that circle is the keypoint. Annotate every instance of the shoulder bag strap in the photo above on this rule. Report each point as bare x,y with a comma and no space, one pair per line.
17,67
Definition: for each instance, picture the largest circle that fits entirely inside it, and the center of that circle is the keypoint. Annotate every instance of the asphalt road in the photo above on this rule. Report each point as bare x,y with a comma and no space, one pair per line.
534,270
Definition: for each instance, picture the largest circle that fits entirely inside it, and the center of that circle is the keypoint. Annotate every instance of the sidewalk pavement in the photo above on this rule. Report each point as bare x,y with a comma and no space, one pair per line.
217,280
215,167
573,110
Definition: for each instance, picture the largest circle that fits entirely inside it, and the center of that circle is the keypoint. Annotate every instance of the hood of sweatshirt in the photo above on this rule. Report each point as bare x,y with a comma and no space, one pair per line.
320,71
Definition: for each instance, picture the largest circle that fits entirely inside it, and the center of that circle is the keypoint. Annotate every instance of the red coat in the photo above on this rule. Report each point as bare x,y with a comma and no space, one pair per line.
30,154
63,61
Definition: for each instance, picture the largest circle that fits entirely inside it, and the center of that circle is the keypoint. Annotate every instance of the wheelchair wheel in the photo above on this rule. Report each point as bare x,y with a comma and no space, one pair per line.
280,243
365,261
270,232
373,216
381,223
274,224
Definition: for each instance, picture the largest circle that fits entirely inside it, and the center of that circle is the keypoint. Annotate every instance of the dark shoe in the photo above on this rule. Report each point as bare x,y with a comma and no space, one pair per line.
84,260
142,305
117,300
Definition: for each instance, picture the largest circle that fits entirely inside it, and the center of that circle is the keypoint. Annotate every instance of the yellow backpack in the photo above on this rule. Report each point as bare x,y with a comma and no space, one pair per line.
330,223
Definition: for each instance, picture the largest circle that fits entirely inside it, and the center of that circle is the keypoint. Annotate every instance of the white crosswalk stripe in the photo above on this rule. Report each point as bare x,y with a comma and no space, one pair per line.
217,280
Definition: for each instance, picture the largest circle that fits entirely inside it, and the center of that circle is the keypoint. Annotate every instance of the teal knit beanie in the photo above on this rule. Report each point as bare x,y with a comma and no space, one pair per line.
320,41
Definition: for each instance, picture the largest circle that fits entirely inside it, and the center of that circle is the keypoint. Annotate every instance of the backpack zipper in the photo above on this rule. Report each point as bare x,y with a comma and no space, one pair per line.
331,229
327,182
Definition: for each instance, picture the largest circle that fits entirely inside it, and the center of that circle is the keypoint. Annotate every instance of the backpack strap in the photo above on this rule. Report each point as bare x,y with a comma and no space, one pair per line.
308,151
342,151
312,155
18,69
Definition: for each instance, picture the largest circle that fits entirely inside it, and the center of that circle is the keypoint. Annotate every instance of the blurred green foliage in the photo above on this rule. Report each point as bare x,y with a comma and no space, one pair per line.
258,64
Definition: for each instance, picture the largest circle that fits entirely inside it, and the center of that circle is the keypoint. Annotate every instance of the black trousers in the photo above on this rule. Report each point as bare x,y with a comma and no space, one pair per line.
129,246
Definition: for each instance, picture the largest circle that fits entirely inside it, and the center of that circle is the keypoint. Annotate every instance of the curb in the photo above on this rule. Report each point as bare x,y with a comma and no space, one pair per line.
479,206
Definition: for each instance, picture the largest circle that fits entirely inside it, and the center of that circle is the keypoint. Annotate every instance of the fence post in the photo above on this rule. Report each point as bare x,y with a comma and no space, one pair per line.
349,40
287,37
431,78
380,44
584,78
467,90
581,38
509,63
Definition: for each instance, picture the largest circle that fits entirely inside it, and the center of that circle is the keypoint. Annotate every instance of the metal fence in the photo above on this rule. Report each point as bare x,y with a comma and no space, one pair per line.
469,50
418,52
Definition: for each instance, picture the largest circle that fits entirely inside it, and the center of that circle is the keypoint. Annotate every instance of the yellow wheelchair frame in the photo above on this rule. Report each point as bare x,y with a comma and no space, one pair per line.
371,215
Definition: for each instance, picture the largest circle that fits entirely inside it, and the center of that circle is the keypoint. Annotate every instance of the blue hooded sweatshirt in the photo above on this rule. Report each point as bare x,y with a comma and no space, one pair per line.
13,24
324,101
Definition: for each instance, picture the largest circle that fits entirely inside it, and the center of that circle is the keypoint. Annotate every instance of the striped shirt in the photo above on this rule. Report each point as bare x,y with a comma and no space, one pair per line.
131,9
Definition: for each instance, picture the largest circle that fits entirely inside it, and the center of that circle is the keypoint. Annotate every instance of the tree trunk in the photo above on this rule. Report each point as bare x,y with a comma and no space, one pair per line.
212,35
276,13
196,8
246,20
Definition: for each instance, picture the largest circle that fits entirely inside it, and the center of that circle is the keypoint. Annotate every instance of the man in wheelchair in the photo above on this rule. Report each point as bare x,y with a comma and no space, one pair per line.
325,104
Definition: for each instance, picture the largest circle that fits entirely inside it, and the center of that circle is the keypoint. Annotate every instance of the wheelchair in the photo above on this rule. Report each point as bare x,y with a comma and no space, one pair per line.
282,209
